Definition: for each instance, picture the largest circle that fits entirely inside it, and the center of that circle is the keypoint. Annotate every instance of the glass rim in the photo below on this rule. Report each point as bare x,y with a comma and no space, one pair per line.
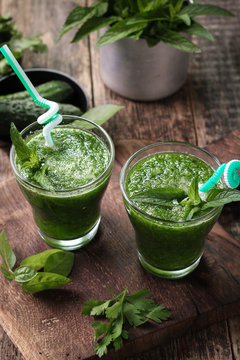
110,163
133,156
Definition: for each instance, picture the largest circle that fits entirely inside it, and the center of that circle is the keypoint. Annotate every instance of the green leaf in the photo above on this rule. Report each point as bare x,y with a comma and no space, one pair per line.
38,261
116,327
33,161
6,251
140,300
100,114
190,211
100,329
24,274
120,30
81,14
7,274
89,305
179,42
60,262
101,348
185,18
204,9
133,315
100,309
93,24
220,197
22,150
199,30
78,16
159,314
160,196
118,343
113,311
42,179
193,192
45,281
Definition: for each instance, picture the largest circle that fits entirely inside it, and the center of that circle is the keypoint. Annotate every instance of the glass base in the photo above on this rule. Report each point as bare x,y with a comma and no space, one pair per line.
72,244
168,274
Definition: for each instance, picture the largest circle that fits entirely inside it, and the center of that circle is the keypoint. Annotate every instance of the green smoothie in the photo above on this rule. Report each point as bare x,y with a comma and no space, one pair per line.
66,191
168,244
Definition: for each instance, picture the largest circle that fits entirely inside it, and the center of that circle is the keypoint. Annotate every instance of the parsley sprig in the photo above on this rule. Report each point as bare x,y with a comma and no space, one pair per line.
192,202
122,309
46,270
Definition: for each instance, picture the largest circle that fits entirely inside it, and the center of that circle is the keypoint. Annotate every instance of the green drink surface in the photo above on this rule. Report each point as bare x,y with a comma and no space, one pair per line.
77,158
170,169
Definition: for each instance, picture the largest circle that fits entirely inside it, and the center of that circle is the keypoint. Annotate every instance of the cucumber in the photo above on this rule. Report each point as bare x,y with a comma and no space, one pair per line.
56,90
23,113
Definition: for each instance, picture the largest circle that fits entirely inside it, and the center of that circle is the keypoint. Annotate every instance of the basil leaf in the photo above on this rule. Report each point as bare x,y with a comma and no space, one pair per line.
33,161
24,274
38,261
199,30
6,251
204,9
179,42
45,281
41,178
193,192
93,24
120,30
22,150
190,212
76,17
7,274
161,196
220,197
60,262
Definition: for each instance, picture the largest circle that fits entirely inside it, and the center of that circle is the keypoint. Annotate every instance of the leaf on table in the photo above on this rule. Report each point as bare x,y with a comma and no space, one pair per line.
6,251
60,262
38,261
45,281
24,274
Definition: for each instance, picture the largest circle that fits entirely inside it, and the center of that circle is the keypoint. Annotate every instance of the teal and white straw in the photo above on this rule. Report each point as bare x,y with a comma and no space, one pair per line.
230,173
50,118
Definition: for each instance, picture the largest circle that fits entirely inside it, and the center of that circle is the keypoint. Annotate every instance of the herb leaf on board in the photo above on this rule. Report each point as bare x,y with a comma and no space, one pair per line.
56,265
134,309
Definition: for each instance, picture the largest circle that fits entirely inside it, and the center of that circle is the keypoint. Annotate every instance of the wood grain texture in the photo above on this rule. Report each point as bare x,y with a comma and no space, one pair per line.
50,323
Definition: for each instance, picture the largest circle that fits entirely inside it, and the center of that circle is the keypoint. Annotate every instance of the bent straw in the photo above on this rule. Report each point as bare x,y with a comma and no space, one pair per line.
51,118
229,171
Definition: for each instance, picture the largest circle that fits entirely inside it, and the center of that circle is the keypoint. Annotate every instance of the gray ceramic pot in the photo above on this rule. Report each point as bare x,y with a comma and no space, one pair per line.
135,71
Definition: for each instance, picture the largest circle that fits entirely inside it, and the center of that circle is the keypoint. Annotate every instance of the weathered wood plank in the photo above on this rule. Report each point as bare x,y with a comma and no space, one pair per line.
51,322
215,77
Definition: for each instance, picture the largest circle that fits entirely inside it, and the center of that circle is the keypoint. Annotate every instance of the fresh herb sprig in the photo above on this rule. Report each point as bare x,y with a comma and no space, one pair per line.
55,266
154,21
122,309
15,40
192,202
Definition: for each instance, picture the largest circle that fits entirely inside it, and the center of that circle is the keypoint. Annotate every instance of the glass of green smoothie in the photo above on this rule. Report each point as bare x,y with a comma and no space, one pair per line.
66,189
154,183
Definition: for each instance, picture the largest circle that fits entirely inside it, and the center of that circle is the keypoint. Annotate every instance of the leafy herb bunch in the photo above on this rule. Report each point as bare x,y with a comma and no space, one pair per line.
193,205
154,21
10,35
121,310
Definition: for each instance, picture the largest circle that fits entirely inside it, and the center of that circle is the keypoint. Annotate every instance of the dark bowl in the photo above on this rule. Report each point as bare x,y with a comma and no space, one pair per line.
11,84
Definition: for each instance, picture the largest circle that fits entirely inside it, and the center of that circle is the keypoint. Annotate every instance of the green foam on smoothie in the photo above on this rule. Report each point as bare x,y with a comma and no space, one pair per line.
166,170
78,158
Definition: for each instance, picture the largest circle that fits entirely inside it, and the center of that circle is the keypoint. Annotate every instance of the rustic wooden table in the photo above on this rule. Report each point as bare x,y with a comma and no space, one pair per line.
206,109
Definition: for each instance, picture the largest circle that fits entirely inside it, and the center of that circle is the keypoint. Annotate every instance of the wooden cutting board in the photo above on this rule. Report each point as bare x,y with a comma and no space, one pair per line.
49,325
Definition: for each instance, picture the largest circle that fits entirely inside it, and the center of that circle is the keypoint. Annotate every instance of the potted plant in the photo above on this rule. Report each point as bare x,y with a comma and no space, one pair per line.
144,45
